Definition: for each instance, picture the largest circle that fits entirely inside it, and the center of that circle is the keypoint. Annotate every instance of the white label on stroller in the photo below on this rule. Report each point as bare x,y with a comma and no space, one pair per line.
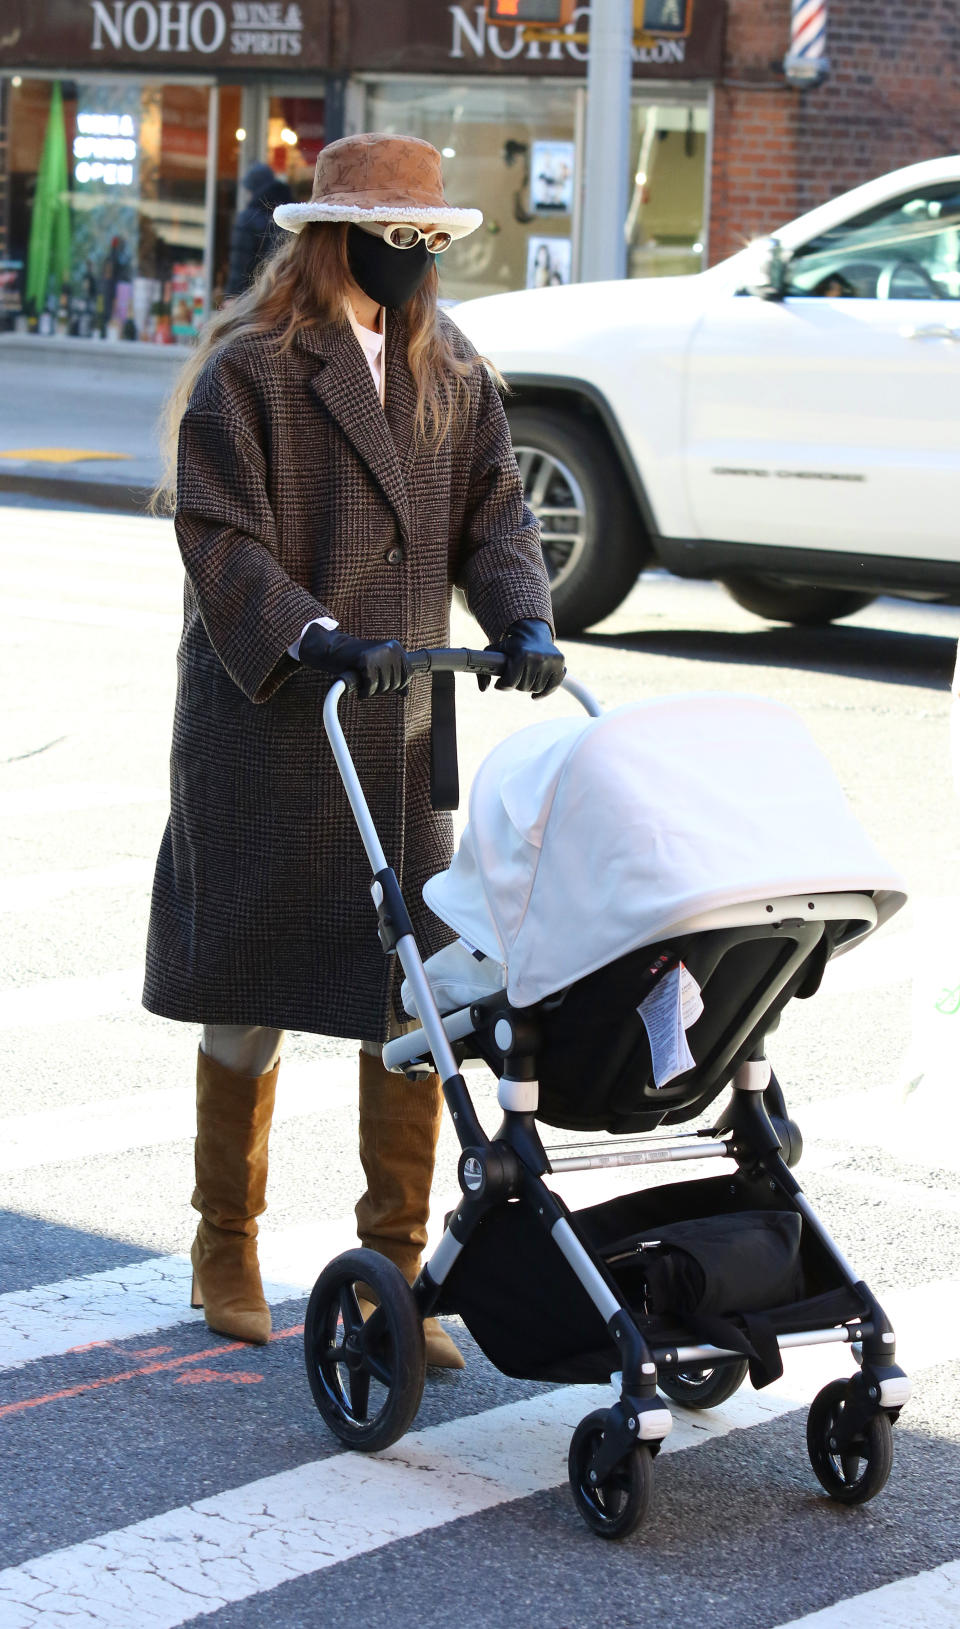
668,1012
690,997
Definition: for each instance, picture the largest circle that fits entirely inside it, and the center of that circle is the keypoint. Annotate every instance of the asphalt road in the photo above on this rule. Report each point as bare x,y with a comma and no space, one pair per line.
79,419
151,1473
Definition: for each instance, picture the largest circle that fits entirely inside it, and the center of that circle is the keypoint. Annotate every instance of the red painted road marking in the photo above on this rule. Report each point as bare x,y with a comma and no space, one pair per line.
136,1374
234,1377
115,1346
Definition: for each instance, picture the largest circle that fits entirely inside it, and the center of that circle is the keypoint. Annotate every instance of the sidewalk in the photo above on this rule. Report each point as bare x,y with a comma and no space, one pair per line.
78,418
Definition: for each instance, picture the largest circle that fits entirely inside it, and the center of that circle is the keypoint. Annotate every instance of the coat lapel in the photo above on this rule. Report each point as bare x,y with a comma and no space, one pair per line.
344,385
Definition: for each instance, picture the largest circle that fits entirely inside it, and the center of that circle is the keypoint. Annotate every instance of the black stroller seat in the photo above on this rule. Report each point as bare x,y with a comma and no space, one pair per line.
594,1064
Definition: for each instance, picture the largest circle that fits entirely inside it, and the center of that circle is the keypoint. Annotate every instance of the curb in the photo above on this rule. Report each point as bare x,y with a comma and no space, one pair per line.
123,356
131,500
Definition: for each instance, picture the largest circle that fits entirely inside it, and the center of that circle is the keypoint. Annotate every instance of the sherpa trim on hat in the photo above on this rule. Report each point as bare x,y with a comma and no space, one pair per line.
379,178
458,222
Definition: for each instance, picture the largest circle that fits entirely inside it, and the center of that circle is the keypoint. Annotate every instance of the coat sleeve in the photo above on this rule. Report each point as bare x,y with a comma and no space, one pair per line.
500,564
251,609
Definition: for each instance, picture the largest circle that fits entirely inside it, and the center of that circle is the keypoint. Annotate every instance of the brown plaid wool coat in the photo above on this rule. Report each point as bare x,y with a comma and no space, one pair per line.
299,497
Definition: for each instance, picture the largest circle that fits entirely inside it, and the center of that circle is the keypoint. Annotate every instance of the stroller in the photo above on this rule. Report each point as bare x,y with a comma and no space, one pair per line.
637,896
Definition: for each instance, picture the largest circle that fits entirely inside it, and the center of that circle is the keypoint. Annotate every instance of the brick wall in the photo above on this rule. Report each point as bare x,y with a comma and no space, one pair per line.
890,99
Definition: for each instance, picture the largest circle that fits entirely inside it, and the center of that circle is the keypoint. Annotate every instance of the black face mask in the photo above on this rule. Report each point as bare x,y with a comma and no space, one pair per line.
388,275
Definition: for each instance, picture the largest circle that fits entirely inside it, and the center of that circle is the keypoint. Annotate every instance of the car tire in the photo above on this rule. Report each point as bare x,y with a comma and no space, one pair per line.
807,606
594,549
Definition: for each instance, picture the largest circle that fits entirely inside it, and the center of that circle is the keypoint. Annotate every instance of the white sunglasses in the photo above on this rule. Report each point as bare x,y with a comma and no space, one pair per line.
401,235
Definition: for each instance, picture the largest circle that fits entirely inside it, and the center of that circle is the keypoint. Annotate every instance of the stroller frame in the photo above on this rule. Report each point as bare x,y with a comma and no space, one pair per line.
611,1455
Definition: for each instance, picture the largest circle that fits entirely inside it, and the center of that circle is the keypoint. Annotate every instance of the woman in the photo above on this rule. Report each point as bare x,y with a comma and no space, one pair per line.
343,461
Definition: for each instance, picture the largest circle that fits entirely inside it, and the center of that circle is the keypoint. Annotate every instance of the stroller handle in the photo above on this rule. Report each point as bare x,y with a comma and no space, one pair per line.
444,660
462,660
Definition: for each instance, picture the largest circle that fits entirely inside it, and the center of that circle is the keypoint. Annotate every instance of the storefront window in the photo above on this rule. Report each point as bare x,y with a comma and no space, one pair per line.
508,149
128,257
665,214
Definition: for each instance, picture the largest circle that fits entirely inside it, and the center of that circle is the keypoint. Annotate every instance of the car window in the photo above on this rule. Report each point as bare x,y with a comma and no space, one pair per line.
906,249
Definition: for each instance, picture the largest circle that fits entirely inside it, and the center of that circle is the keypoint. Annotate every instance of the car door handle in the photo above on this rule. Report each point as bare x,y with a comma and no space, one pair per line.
937,330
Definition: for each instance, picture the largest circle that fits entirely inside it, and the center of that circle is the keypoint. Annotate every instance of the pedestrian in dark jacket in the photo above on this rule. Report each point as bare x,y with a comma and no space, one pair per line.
255,233
344,461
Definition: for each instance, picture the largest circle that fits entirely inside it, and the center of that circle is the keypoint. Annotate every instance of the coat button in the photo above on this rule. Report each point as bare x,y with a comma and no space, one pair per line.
394,557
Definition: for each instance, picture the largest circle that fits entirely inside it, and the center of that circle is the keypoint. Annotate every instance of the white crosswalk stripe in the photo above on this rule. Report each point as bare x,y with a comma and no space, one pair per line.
84,614
140,1298
930,1600
882,959
914,1131
62,1001
72,797
114,1125
28,892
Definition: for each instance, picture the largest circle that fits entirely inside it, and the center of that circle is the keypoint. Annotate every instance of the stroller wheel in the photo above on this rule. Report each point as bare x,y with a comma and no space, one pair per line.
366,1373
700,1386
614,1507
851,1465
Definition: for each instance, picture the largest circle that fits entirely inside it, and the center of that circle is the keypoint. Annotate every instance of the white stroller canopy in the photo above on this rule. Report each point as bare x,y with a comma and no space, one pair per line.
591,838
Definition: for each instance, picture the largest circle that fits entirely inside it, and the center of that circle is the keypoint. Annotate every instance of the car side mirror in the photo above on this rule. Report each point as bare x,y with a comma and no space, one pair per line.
766,269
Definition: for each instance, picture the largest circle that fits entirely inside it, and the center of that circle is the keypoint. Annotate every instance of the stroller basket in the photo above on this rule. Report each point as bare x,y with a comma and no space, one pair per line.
533,1319
675,1291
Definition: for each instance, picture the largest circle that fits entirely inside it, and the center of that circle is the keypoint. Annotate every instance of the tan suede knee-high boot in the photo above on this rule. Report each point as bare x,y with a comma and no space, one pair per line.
399,1126
234,1112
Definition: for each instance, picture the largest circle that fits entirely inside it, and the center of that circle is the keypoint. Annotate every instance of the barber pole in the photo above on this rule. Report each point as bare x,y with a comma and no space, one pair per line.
806,60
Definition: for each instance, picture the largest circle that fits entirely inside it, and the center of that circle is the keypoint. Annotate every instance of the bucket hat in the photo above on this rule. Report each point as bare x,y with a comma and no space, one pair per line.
375,177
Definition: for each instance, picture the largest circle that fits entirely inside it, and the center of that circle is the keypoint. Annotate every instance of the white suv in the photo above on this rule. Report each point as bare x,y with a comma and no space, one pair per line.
787,422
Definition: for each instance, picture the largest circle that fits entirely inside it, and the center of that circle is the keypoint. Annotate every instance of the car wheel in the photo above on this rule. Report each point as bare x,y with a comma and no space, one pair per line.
592,544
781,601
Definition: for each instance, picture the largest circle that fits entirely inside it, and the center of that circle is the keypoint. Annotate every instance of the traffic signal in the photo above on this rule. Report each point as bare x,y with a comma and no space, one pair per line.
663,17
651,17
531,13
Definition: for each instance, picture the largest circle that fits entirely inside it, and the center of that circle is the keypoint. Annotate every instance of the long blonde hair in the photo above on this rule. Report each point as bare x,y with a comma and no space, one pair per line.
302,285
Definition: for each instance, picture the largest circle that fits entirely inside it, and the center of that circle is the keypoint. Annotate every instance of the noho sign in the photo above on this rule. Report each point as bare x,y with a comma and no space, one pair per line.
209,29
158,25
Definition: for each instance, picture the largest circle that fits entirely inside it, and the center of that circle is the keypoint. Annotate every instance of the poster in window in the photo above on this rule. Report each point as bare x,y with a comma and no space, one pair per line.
549,262
11,285
551,177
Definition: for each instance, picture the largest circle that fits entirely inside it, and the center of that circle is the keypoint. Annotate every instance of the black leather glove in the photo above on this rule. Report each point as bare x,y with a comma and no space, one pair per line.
380,664
533,661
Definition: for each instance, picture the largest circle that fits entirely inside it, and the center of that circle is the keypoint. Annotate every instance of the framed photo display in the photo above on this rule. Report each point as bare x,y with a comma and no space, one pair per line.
549,262
552,177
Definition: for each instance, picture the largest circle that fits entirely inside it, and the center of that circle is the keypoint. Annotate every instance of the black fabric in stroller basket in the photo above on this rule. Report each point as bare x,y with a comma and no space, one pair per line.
718,1275
714,1264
